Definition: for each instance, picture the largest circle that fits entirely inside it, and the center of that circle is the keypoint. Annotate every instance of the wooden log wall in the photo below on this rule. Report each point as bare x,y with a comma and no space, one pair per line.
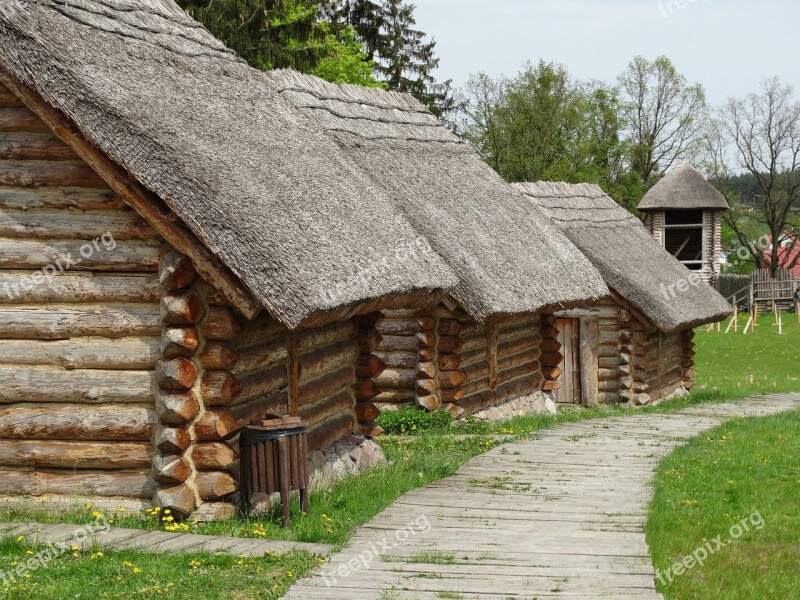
624,357
440,358
403,343
687,360
499,361
614,371
370,366
79,323
551,358
196,461
658,362
309,373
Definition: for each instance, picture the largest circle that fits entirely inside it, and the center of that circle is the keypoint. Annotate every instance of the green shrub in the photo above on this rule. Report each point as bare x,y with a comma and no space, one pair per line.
411,421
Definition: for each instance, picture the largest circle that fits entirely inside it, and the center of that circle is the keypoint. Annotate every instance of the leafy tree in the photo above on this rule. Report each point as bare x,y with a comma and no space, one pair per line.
273,34
346,62
665,115
541,125
268,34
760,136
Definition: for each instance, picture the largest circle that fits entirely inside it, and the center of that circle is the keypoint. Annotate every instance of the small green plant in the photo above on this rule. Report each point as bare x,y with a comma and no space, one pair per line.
412,421
432,558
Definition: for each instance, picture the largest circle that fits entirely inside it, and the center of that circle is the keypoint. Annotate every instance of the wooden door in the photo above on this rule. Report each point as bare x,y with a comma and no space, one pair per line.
569,336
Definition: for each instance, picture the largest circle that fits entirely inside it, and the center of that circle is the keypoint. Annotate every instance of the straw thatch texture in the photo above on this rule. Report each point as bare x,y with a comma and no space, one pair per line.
630,260
683,188
297,222
508,258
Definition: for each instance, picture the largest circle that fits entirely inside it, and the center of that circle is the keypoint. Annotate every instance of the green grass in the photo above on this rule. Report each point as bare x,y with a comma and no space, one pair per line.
128,574
745,467
741,365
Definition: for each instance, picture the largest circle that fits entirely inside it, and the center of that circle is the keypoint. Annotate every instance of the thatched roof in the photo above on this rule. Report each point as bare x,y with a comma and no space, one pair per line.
508,258
293,218
631,261
683,188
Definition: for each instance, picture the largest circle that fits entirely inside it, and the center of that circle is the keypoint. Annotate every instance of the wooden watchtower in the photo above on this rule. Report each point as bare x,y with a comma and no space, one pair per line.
684,214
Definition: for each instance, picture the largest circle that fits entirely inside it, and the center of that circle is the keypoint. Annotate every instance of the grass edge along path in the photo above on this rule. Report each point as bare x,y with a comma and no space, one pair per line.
728,500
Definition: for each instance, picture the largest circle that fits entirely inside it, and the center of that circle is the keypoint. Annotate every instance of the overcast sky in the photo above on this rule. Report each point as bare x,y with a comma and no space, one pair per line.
727,45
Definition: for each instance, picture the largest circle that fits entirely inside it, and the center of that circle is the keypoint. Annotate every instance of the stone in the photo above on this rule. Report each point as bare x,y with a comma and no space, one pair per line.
538,403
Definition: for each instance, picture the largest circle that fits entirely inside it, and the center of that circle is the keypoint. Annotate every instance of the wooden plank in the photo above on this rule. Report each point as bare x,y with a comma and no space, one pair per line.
18,287
30,173
47,225
81,386
491,344
59,198
134,353
77,422
59,256
588,360
21,119
294,373
33,146
52,322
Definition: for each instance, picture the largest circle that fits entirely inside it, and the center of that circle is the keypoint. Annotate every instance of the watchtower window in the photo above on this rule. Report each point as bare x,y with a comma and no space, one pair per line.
685,243
684,217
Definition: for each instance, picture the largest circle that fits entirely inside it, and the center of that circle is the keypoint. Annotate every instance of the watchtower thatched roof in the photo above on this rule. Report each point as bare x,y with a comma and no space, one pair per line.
278,203
509,259
632,263
683,188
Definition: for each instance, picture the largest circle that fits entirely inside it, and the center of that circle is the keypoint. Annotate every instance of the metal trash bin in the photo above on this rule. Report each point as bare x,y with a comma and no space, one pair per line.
274,458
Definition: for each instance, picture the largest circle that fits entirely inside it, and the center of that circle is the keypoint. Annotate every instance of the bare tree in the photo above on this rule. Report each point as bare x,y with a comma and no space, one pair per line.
665,115
760,135
479,101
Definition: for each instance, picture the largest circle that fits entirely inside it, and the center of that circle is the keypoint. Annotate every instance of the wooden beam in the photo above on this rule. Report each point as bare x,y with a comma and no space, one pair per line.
294,373
589,332
147,204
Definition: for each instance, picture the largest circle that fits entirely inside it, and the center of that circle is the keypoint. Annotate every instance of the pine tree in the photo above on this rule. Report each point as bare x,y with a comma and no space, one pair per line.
366,17
404,58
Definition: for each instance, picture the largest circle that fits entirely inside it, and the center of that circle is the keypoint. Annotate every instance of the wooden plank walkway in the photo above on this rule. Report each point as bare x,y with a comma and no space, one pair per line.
561,516
155,541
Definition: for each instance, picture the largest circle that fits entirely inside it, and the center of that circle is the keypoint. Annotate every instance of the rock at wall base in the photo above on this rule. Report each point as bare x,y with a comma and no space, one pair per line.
538,403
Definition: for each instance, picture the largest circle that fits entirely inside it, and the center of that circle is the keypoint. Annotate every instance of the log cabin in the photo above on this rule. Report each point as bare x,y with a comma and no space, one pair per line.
683,212
178,257
493,338
635,346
